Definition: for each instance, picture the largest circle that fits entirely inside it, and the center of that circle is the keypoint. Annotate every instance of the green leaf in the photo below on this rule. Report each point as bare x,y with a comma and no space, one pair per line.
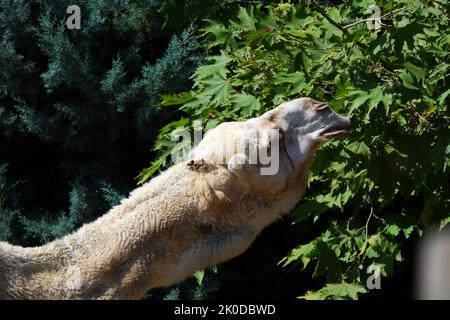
176,99
296,79
390,149
418,72
327,261
215,69
374,99
443,97
246,20
313,295
406,223
359,101
444,223
303,252
336,291
218,88
393,230
199,276
305,209
255,37
211,124
247,103
359,148
223,36
407,80
145,174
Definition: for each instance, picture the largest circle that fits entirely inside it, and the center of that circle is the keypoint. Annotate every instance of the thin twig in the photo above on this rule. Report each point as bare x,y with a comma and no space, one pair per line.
361,21
334,23
326,16
317,7
378,217
372,19
368,220
367,230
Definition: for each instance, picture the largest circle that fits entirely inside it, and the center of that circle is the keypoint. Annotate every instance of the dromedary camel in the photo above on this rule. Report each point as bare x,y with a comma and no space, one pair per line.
200,212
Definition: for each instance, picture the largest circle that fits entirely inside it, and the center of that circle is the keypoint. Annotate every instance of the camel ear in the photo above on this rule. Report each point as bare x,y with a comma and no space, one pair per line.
267,140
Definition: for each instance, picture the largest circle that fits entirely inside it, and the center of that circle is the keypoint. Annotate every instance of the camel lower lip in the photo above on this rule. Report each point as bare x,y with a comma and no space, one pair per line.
335,133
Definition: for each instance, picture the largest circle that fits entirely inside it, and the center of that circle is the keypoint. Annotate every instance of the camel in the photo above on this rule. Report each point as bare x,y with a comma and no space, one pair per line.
198,213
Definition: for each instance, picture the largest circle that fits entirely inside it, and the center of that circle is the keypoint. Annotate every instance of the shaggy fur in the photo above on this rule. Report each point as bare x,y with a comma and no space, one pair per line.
193,215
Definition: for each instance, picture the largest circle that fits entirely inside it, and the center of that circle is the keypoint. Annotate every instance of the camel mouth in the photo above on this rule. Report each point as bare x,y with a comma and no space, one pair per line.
334,132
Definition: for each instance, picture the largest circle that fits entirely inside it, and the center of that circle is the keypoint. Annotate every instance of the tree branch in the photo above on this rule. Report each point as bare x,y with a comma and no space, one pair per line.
319,9
326,16
334,23
373,19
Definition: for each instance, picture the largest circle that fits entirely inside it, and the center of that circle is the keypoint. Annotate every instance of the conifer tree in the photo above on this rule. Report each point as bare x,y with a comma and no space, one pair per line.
79,108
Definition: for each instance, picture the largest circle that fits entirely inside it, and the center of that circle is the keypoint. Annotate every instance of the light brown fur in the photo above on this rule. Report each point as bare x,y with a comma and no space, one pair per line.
188,218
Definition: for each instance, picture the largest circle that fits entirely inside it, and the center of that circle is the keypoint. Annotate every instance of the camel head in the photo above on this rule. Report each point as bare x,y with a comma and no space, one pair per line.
303,124
273,150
